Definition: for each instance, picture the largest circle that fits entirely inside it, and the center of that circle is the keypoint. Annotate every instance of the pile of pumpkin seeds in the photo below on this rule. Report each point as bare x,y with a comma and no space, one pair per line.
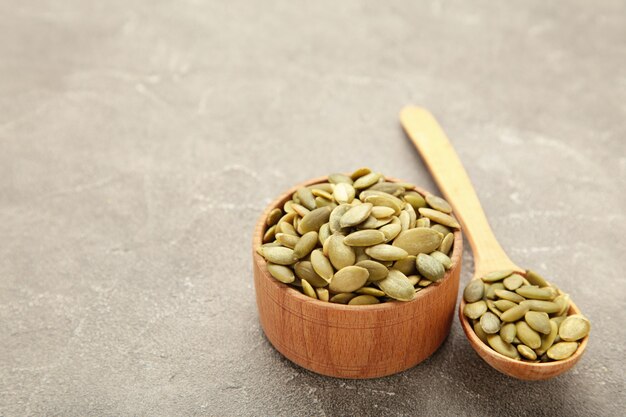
523,317
359,239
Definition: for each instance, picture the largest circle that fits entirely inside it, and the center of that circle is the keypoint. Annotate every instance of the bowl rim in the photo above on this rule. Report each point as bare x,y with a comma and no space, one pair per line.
261,227
477,344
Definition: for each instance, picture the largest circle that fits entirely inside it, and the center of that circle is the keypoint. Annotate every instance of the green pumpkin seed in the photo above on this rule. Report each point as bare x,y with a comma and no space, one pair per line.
406,265
308,289
269,235
397,286
364,238
475,310
321,265
538,321
509,295
443,258
479,332
562,350
286,228
335,217
544,306
279,255
563,302
514,313
536,279
322,294
441,229
527,335
490,323
415,199
355,215
367,180
446,243
348,279
300,210
492,307
389,188
306,198
324,233
360,172
344,193
418,240
414,279
497,275
535,293
508,332
305,271
385,252
548,340
405,220
526,352
340,254
504,305
430,267
386,200
391,231
574,328
365,299
370,291
513,282
323,194
424,282
438,204
376,270
439,217
274,216
342,298
503,348
281,273
422,222
382,212
314,220
339,178
305,245
474,291
490,289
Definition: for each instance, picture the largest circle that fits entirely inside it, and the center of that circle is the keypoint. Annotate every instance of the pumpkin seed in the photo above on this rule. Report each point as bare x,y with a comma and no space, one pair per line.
536,293
563,302
514,313
508,332
446,243
475,310
526,352
322,294
562,350
544,306
391,231
414,279
490,323
513,282
480,332
281,273
424,282
443,258
349,279
305,245
509,295
300,210
306,198
385,252
490,290
356,215
440,228
342,298
504,305
322,194
548,340
279,255
339,178
364,238
405,220
386,200
389,188
538,321
527,335
324,233
439,217
335,217
367,180
286,228
415,199
497,275
422,222
406,265
574,328
340,254
314,220
381,212
359,172
344,193
430,267
418,240
305,271
274,216
474,291
492,307
376,270
536,279
502,347
308,289
269,235
370,291
364,299
321,265
397,286
438,204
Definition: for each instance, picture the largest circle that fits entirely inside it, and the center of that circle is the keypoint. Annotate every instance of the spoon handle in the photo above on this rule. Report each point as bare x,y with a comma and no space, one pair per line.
449,174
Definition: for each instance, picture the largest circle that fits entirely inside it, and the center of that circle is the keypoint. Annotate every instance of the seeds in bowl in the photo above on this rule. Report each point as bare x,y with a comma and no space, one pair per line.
523,317
359,239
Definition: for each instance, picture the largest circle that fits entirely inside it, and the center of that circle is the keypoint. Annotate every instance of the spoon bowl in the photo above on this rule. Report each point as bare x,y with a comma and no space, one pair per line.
448,172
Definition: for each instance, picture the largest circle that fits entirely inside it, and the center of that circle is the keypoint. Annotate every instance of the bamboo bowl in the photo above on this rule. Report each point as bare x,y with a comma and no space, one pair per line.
346,341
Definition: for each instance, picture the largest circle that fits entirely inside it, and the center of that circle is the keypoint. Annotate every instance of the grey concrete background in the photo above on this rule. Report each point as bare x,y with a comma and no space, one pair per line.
140,140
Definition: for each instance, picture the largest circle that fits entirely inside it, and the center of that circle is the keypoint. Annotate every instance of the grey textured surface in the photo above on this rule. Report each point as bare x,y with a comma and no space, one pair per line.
140,141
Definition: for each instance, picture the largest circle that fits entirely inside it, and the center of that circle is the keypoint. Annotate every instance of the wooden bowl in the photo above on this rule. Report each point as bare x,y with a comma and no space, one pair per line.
353,341
527,371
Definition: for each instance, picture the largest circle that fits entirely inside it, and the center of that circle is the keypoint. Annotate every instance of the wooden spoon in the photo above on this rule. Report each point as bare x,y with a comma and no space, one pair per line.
449,174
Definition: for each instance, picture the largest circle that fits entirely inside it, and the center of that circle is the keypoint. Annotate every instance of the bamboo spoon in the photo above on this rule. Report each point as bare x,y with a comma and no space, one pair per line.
449,174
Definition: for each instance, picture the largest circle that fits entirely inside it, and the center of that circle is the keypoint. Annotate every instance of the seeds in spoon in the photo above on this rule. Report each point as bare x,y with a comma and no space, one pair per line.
475,310
574,328
502,347
438,204
439,217
490,323
562,350
474,291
